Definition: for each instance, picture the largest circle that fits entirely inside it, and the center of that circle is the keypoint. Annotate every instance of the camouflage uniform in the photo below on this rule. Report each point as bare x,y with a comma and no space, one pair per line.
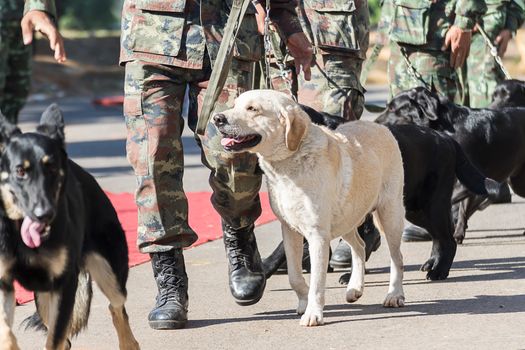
15,60
339,31
481,74
419,27
169,46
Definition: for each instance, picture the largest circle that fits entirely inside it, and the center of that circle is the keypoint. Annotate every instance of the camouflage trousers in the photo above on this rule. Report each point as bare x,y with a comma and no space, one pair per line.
15,70
480,75
432,66
336,89
154,96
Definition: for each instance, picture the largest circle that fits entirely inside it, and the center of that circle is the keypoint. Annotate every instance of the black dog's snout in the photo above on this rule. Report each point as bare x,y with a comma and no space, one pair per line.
43,214
219,119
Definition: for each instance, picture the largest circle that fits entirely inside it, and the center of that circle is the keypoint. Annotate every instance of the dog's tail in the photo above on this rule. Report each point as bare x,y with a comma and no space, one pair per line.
81,308
472,178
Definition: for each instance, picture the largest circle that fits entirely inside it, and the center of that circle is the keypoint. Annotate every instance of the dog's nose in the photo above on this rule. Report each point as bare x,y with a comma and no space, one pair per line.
219,119
43,214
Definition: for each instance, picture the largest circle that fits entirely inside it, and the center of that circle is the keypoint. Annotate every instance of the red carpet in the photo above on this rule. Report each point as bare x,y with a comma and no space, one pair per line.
203,219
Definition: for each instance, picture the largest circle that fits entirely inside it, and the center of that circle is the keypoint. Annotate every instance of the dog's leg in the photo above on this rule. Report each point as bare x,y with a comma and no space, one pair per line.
105,278
293,247
467,207
356,284
7,312
55,309
319,247
389,220
444,246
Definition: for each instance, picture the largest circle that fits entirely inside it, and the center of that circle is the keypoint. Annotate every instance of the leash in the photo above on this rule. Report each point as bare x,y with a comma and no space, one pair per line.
269,48
493,51
411,69
222,63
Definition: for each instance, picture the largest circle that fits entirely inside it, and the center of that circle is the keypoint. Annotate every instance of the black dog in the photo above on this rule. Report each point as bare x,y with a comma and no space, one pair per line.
493,140
57,231
509,93
431,162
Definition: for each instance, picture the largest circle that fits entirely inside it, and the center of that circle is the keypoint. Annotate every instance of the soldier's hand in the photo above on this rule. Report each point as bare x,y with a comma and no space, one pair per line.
502,41
302,51
458,40
39,21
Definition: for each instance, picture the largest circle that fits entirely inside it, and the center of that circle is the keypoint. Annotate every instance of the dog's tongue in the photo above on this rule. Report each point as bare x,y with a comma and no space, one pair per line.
31,231
227,141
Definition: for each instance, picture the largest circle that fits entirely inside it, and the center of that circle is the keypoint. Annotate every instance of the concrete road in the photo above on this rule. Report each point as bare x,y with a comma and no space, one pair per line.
480,306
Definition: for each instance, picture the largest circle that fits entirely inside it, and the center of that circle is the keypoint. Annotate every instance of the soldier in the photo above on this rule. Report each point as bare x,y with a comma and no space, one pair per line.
481,73
339,31
15,58
169,46
429,40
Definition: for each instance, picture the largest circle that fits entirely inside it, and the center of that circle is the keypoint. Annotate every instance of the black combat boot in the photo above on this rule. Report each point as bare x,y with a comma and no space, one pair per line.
171,307
505,196
342,256
247,278
283,267
413,233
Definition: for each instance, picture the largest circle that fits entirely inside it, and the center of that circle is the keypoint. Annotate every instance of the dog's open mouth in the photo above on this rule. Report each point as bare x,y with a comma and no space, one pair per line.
33,232
237,143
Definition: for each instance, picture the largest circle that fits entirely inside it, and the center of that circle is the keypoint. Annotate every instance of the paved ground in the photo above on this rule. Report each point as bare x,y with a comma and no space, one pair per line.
480,306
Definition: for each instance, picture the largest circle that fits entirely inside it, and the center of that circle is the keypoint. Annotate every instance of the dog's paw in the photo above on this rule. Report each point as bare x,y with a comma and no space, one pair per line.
352,295
345,278
435,269
394,300
312,318
459,239
428,265
301,307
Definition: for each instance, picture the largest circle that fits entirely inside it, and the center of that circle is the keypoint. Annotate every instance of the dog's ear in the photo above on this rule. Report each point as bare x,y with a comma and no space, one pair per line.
296,125
7,129
428,102
433,88
52,123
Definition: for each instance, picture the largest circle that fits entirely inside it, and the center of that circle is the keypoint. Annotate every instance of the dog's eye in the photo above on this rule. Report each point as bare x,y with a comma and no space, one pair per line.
251,109
21,172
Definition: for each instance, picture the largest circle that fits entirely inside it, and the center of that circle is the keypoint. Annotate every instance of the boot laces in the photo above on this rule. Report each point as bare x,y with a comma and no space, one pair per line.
171,284
239,252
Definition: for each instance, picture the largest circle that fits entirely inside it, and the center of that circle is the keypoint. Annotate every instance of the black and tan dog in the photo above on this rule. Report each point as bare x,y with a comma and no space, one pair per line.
493,140
57,231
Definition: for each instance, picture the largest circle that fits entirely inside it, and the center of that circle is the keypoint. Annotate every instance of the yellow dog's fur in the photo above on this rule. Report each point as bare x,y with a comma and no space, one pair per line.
322,184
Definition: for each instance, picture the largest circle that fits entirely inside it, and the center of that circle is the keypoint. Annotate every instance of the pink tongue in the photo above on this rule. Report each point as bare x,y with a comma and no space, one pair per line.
31,231
226,141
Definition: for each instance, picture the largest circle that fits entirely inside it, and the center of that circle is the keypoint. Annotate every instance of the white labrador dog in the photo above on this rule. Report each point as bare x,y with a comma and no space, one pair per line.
322,184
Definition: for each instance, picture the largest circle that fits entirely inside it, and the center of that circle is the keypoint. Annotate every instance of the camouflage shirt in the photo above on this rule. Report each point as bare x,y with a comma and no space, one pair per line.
336,25
503,14
426,22
15,9
179,32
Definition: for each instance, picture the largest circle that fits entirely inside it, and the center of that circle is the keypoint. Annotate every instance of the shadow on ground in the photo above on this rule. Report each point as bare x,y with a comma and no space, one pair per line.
499,269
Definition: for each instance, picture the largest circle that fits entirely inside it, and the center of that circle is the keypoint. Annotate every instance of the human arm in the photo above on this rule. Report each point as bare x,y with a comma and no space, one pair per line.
39,16
515,11
284,17
459,36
